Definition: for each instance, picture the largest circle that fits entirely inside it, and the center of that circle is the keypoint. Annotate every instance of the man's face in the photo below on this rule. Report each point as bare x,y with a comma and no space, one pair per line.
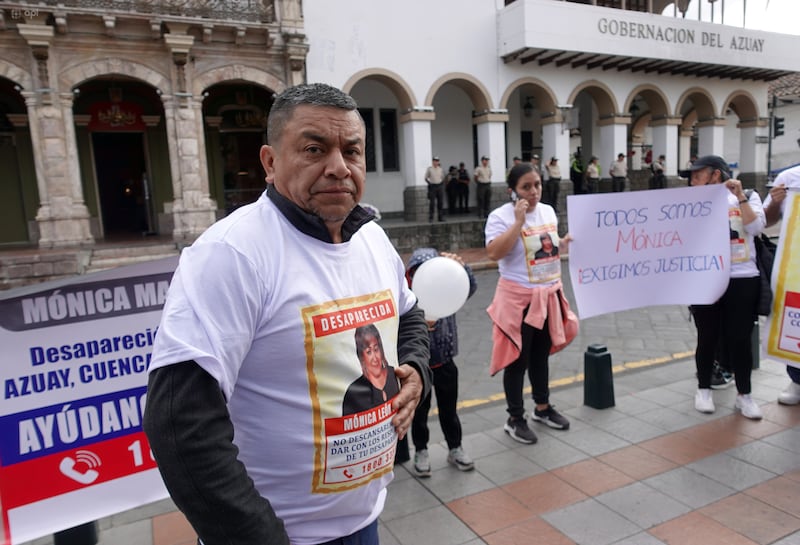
318,164
705,176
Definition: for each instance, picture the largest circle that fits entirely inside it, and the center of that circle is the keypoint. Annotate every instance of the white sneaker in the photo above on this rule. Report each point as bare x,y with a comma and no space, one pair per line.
460,459
791,395
703,401
748,406
422,463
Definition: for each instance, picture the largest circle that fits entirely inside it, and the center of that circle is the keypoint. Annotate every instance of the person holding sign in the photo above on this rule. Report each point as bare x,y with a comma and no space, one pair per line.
530,315
774,208
730,319
254,352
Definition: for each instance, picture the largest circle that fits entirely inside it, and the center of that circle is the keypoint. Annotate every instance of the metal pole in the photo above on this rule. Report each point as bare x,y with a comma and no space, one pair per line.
771,129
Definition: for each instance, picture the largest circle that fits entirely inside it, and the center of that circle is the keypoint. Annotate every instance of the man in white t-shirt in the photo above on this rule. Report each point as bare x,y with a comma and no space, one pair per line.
774,207
258,347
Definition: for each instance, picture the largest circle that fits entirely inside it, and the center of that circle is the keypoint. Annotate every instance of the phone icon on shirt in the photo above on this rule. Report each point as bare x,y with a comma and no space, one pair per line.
88,459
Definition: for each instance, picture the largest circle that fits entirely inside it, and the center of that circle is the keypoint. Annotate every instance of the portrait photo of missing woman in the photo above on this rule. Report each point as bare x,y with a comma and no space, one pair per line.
548,249
377,383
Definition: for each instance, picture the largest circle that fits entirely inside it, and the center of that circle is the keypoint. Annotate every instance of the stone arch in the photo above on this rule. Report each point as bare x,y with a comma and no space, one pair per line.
236,72
542,94
15,73
602,95
689,120
475,90
743,104
396,84
655,98
703,103
75,75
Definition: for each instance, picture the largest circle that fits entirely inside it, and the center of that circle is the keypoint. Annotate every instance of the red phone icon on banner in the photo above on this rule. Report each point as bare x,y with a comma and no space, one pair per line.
347,474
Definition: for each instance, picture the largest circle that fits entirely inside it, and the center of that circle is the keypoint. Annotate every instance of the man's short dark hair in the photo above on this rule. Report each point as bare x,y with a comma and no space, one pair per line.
314,94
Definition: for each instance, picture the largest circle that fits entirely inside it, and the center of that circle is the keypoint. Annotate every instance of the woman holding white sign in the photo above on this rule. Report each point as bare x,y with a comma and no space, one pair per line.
530,315
731,318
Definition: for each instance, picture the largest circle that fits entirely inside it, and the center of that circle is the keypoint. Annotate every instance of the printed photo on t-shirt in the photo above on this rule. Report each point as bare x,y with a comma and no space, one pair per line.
351,351
541,252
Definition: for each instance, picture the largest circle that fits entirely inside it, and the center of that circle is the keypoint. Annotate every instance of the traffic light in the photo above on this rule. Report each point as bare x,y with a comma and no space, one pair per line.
777,126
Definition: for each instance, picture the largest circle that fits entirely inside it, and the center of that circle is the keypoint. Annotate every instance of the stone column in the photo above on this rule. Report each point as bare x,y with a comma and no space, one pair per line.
193,211
555,136
684,147
753,144
294,40
492,140
417,143
613,141
711,136
491,126
665,142
62,218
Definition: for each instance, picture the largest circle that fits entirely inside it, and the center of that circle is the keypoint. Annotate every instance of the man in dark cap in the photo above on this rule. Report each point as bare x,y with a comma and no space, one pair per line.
729,320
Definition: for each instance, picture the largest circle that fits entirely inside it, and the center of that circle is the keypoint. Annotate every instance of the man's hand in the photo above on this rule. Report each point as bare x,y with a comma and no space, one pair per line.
778,193
407,400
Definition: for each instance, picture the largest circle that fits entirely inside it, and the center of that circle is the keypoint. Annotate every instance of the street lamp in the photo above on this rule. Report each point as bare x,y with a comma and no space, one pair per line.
527,108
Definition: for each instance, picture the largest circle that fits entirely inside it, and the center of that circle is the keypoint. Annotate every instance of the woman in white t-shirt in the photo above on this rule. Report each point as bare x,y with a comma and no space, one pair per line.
531,318
730,319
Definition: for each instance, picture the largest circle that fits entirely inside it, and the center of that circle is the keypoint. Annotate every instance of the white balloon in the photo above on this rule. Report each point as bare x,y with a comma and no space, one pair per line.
442,286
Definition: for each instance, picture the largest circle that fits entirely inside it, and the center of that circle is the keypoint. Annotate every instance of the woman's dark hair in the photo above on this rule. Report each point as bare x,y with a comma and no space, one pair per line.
517,172
362,333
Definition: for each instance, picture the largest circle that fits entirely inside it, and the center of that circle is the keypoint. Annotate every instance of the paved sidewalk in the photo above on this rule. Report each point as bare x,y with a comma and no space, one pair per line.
649,470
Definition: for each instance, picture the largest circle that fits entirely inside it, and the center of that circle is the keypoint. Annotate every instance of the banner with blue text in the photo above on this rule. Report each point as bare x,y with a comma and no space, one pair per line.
643,248
74,376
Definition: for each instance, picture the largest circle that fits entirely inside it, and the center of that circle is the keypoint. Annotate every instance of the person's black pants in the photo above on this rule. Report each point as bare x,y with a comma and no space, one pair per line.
435,200
730,319
452,196
533,359
484,194
463,197
577,184
445,386
551,188
617,184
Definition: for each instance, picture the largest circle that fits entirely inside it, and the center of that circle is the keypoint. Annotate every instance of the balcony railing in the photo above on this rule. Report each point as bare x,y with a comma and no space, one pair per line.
256,11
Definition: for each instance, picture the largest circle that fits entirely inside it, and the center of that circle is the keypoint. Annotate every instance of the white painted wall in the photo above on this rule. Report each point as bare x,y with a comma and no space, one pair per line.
423,43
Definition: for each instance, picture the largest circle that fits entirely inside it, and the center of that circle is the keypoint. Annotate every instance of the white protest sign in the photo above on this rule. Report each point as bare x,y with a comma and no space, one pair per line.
74,376
643,248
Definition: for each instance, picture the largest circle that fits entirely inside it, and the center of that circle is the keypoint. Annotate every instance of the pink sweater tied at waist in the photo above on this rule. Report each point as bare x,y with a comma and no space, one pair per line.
544,302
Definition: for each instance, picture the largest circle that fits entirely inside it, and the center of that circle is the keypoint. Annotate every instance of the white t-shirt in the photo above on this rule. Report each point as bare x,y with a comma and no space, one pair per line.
791,179
743,250
271,314
525,263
